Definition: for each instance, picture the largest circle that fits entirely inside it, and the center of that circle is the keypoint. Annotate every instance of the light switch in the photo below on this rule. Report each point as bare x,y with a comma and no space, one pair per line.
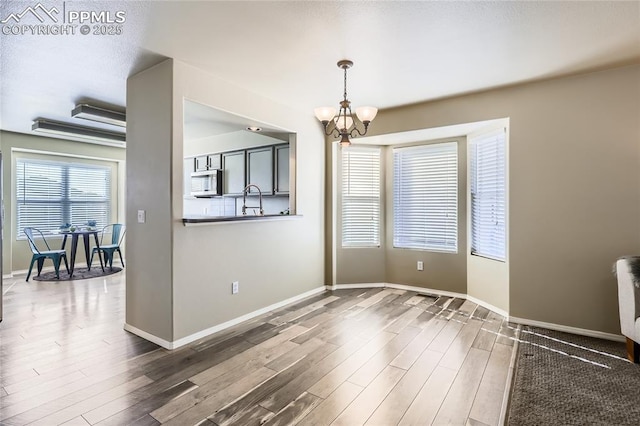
142,216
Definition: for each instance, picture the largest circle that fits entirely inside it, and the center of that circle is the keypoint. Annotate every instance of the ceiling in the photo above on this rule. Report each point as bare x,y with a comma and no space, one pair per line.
403,52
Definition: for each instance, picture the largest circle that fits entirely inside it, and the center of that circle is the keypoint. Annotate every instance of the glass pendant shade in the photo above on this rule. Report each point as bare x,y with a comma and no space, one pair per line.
325,113
340,122
366,113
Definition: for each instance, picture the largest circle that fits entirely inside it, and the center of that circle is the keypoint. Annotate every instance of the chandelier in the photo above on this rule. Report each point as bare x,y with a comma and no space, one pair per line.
344,126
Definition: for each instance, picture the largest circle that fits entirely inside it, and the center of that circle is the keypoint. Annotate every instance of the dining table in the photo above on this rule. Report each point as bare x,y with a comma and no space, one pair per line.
86,236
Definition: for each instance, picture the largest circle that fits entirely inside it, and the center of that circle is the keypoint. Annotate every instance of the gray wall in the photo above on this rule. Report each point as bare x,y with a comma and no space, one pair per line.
149,157
16,253
574,193
189,289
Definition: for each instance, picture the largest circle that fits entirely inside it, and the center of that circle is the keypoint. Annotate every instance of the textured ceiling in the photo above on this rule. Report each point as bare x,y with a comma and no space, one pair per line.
404,52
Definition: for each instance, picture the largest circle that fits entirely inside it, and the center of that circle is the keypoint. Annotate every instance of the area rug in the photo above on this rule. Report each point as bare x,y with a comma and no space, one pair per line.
565,379
78,274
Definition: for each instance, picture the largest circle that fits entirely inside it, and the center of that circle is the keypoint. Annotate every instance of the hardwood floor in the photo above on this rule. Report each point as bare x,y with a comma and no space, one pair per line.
346,357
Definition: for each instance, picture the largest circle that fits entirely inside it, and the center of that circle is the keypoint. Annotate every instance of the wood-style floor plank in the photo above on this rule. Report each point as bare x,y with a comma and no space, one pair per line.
378,356
329,409
391,410
366,403
486,406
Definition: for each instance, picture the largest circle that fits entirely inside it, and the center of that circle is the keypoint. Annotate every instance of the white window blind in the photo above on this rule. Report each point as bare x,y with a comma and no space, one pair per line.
487,175
360,196
51,193
425,197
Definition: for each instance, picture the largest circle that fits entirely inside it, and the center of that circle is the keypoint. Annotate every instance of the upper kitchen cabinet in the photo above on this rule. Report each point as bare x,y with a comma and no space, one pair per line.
281,176
260,169
233,177
215,161
201,163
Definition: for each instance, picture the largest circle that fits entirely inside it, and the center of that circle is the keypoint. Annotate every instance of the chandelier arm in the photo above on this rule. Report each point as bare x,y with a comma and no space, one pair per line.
359,133
335,132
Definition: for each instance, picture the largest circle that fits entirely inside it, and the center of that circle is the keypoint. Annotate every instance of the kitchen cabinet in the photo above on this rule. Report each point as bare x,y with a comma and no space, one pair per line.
233,179
281,176
260,169
201,163
214,161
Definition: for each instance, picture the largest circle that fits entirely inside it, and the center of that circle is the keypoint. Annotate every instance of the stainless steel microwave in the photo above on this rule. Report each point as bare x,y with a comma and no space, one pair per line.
207,183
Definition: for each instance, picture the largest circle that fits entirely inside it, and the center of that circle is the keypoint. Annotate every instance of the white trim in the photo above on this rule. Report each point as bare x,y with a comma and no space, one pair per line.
488,306
568,329
216,328
421,290
150,337
355,286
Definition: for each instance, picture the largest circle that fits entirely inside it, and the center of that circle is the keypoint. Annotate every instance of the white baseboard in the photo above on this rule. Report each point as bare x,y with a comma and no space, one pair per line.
568,329
355,286
216,328
148,336
489,306
420,290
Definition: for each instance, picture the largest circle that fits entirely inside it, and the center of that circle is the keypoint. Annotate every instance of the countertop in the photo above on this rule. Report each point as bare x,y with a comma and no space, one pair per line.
221,219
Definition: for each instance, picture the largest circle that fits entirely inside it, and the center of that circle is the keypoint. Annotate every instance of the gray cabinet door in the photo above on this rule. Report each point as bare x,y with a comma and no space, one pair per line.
282,169
201,163
260,169
215,161
233,178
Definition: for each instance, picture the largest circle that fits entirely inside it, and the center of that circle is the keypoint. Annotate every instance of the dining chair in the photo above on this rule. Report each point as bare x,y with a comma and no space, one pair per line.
40,255
117,231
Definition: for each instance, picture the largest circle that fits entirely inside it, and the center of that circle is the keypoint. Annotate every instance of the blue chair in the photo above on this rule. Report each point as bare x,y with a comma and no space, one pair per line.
41,255
117,231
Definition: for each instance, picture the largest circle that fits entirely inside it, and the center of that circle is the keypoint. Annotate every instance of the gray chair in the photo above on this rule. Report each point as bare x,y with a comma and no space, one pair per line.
40,255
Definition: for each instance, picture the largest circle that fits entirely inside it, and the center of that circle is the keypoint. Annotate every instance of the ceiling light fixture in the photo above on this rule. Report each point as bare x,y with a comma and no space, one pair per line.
254,129
102,115
83,133
344,126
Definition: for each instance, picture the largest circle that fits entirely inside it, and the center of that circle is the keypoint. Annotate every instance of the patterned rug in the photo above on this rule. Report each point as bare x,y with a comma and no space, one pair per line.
565,379
78,274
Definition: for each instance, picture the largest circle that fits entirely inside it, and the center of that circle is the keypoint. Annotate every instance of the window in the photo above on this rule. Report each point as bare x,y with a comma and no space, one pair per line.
51,193
487,175
360,196
425,197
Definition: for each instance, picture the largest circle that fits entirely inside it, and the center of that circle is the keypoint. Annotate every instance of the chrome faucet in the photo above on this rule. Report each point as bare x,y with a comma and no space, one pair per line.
244,199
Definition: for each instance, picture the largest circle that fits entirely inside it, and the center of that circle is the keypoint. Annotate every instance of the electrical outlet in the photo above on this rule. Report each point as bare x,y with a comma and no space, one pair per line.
142,216
420,265
235,287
